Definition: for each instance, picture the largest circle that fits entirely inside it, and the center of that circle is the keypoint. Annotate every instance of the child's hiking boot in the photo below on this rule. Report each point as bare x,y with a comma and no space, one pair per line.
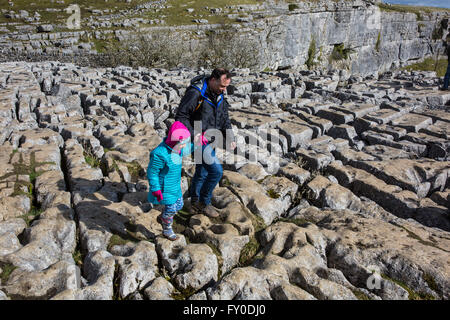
169,234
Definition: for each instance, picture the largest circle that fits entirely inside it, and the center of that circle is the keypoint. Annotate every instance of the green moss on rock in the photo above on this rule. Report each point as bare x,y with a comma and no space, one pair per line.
412,294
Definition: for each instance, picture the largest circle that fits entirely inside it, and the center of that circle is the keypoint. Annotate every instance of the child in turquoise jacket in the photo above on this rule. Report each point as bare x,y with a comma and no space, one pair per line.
164,174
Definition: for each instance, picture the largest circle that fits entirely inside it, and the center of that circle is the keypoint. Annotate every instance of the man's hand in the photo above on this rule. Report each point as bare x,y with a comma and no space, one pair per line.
233,145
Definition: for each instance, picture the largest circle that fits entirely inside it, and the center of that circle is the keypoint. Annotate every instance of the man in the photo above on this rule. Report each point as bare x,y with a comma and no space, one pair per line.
204,102
447,74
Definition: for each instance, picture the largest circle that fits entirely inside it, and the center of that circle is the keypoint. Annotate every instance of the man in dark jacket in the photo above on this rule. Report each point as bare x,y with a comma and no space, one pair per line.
202,108
447,74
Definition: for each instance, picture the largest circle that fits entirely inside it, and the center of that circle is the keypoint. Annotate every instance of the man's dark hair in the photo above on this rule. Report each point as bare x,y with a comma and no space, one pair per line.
218,72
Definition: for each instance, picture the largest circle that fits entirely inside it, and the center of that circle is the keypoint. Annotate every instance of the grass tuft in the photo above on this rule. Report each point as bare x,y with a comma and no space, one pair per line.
78,258
377,45
183,294
412,295
218,254
122,239
417,10
91,160
430,282
311,54
340,52
273,194
292,6
181,220
360,295
7,269
135,170
248,252
429,64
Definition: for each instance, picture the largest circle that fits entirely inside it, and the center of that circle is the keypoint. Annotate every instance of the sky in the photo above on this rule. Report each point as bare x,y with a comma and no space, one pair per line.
426,3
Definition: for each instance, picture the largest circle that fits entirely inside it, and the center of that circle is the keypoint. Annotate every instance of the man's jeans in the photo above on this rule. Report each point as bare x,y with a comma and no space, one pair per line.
207,176
447,77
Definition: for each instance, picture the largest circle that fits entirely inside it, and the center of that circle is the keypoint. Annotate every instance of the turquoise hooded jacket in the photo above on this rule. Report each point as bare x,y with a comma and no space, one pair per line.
164,172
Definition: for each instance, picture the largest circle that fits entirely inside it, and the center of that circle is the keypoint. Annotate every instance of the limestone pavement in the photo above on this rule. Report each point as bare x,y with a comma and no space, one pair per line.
345,195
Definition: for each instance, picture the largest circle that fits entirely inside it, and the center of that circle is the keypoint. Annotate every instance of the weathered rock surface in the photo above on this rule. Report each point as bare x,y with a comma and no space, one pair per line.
160,289
191,265
99,277
253,284
352,254
48,241
254,196
43,284
137,266
343,194
224,237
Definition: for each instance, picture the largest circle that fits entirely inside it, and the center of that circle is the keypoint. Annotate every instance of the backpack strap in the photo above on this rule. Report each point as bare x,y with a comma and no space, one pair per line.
200,101
202,91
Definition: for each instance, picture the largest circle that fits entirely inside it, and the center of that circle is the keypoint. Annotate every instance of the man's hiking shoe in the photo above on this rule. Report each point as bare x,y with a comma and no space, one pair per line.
208,210
195,207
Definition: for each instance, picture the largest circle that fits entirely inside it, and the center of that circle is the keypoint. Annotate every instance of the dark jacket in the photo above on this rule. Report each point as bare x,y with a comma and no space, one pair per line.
447,49
213,110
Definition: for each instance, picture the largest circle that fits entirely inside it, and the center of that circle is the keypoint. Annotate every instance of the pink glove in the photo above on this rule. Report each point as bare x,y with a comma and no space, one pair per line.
203,139
158,195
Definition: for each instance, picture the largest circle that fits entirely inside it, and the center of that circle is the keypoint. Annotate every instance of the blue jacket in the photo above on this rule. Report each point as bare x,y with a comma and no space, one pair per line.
164,172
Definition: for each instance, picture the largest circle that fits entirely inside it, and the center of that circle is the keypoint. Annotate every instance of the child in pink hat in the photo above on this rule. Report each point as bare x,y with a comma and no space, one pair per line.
164,174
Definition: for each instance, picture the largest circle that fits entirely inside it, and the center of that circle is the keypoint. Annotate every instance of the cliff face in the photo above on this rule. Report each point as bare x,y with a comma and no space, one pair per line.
373,40
352,35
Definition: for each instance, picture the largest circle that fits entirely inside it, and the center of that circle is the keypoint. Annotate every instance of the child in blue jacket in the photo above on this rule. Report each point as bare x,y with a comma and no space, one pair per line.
164,174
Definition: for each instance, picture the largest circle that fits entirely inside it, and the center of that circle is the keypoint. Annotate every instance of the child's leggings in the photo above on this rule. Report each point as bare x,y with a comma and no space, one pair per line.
169,212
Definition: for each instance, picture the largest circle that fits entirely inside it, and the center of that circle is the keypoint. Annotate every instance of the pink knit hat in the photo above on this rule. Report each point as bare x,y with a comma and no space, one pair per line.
177,133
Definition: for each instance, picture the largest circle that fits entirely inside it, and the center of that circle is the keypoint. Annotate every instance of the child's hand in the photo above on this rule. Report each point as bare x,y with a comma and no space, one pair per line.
158,195
197,139
203,139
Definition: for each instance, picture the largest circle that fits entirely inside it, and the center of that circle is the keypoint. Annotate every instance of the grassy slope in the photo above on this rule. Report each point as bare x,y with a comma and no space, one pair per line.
429,64
410,9
175,14
42,5
54,17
